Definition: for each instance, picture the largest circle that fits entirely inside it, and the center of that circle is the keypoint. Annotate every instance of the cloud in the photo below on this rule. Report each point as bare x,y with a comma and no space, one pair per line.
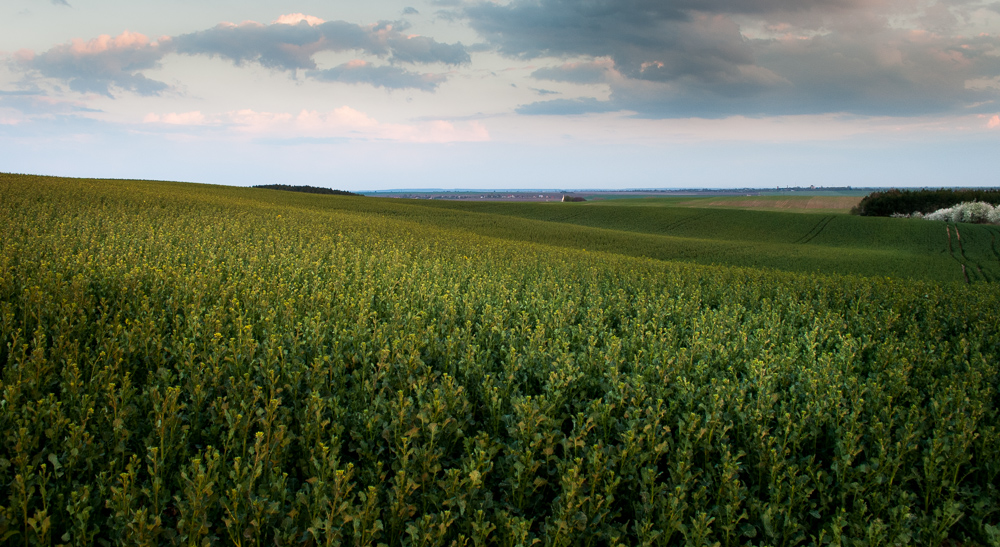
592,72
98,65
22,106
61,3
891,72
715,58
409,10
296,18
318,127
993,122
566,107
173,118
291,42
421,49
632,34
298,141
389,77
107,64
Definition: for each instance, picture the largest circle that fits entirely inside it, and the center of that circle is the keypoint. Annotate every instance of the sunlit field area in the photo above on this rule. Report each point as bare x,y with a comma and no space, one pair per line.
187,364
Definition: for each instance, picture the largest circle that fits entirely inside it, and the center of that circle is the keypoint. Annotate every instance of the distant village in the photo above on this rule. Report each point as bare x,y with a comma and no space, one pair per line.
589,195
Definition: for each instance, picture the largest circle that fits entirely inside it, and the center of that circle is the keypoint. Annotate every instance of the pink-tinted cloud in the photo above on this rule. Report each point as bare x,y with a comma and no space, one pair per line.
113,63
11,116
124,41
345,117
340,123
100,64
993,122
291,41
173,118
251,121
296,18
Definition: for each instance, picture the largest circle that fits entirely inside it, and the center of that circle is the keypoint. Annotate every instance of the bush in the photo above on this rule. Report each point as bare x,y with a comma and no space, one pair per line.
907,202
972,212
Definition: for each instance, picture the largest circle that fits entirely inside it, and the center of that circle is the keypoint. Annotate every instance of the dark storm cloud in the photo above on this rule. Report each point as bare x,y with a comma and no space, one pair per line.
106,64
681,58
389,77
633,34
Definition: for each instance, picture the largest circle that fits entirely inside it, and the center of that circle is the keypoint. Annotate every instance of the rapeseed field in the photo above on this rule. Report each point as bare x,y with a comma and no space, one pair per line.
197,365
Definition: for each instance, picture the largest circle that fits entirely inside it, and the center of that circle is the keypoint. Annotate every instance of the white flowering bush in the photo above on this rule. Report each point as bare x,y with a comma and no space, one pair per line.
971,211
976,211
940,214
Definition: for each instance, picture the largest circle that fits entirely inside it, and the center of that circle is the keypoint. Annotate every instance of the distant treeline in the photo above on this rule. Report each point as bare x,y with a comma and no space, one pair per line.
306,189
890,202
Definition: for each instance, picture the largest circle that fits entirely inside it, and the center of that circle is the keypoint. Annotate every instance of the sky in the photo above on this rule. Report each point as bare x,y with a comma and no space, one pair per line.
548,94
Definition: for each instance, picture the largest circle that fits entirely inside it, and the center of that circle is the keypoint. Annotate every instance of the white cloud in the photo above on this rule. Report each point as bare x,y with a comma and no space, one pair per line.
173,118
343,122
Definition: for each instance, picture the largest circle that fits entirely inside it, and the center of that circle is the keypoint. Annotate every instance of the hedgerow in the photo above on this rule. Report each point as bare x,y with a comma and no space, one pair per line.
974,211
906,202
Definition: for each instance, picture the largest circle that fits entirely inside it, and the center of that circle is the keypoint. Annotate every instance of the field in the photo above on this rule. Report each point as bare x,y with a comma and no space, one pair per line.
189,364
674,230
804,203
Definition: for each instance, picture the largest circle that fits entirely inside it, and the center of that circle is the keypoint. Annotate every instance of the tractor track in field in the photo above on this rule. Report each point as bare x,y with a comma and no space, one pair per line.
993,243
815,230
687,220
564,218
972,268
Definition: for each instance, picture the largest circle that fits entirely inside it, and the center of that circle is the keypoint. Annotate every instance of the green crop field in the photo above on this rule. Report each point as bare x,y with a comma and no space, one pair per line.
188,364
827,202
807,242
